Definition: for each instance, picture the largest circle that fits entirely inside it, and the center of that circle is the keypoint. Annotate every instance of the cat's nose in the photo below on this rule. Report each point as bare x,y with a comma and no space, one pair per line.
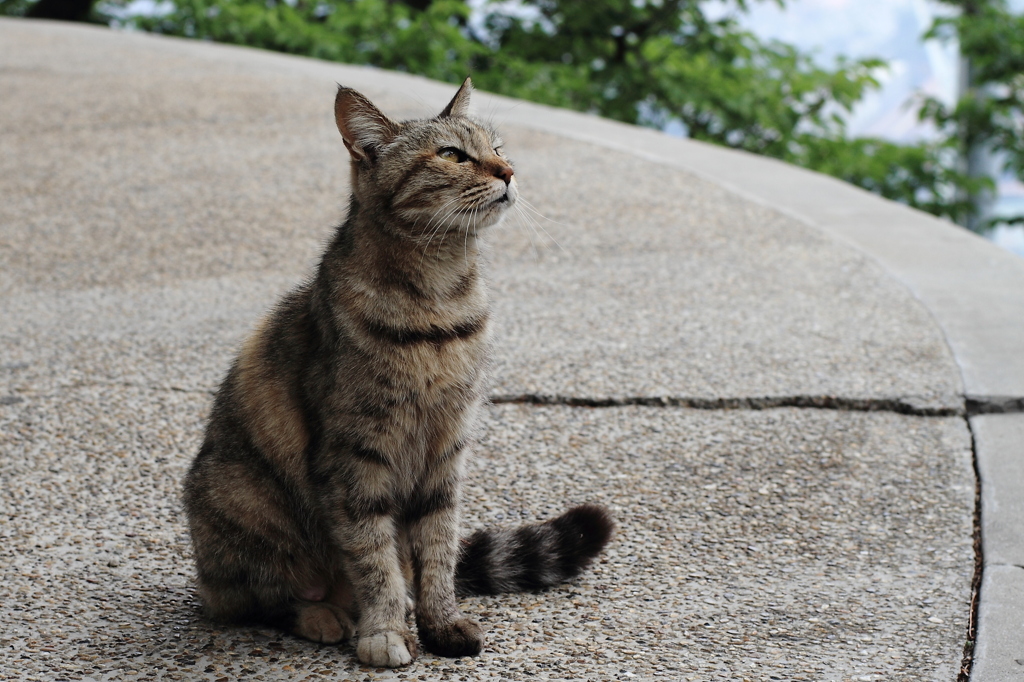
505,173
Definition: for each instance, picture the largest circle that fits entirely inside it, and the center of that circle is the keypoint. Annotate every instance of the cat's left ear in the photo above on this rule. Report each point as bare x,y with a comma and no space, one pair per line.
459,106
363,127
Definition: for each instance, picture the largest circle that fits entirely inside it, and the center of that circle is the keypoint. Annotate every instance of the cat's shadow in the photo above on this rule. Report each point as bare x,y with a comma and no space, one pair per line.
167,629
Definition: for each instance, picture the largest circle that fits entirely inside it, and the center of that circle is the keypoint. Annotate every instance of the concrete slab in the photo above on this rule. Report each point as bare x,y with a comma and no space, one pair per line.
947,268
999,453
999,653
203,162
786,544
656,283
160,193
999,444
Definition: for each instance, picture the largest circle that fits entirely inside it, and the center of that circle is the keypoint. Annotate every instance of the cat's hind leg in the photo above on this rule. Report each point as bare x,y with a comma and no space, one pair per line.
255,563
322,622
326,616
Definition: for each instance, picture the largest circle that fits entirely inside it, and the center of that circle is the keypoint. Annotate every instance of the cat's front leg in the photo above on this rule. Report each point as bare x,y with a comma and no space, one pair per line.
434,538
384,639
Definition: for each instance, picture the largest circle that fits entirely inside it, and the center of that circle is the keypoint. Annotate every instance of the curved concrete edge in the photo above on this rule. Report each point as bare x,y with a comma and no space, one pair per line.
999,652
1001,438
974,291
999,638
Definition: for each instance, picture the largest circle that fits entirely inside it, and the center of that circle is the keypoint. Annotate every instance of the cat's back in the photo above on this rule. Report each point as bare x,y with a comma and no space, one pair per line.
258,414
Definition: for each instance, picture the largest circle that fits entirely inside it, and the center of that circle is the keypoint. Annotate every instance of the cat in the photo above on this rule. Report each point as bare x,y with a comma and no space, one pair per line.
325,498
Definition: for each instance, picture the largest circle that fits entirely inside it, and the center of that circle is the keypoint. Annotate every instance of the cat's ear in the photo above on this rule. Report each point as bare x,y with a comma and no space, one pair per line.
459,106
363,127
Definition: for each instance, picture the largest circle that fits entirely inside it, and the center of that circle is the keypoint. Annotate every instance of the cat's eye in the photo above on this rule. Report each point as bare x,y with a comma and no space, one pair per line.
453,154
497,150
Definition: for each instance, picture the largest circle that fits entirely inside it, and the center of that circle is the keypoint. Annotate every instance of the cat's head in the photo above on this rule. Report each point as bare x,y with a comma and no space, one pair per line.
426,177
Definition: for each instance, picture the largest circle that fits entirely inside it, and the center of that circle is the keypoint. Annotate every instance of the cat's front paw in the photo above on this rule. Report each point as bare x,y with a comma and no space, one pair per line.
456,638
386,649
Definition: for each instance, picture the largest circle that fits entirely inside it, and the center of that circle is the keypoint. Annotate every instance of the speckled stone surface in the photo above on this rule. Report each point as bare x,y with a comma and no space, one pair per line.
158,195
646,281
134,163
783,544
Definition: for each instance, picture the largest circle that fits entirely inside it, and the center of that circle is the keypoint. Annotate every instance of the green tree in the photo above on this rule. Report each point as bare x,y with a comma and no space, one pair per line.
640,61
392,35
988,117
64,10
655,61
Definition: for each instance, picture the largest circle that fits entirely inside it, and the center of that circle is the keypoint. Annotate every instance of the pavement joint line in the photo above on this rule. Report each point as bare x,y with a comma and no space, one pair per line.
973,405
976,404
971,635
821,402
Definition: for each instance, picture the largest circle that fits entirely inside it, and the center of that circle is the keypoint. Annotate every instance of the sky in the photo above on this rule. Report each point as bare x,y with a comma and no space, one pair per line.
891,30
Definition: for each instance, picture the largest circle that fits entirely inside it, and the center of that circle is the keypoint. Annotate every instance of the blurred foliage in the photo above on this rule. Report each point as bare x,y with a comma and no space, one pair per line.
990,113
655,62
392,35
14,8
65,10
661,63
926,175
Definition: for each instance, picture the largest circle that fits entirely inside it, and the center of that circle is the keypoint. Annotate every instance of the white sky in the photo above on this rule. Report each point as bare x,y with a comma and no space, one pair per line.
889,29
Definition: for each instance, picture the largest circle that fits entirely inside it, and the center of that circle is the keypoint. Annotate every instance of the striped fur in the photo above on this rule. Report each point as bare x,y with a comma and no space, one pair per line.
532,557
328,485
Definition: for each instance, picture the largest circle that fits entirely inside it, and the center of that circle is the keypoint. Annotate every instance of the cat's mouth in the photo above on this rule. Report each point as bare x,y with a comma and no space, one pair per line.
503,199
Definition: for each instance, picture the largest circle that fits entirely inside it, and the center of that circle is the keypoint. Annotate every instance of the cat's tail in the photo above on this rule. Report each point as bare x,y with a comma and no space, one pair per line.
535,556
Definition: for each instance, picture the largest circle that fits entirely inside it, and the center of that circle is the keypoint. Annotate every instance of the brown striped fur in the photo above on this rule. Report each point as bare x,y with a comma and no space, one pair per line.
327,488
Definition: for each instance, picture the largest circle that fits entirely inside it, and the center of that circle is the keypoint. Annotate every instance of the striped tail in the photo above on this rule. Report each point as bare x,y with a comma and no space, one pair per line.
535,556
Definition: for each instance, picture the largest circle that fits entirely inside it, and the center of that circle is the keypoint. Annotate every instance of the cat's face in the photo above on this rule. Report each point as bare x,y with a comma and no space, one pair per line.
430,178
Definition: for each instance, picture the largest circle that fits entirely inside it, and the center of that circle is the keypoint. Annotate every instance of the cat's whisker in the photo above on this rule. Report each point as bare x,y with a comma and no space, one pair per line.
490,118
527,206
444,225
533,208
440,222
443,207
441,227
525,219
451,222
465,241
530,233
474,191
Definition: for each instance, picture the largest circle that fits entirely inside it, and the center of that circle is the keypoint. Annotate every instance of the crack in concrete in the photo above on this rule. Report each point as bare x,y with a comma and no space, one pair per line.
973,405
970,641
821,402
993,404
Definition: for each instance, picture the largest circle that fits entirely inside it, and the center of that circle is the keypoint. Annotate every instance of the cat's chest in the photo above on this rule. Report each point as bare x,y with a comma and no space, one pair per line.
432,353
424,345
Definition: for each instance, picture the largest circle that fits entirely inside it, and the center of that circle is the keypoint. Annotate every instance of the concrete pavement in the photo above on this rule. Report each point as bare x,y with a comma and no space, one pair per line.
159,194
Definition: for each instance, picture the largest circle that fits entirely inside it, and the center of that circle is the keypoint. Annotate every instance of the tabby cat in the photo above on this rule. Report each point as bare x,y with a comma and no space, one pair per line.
325,498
